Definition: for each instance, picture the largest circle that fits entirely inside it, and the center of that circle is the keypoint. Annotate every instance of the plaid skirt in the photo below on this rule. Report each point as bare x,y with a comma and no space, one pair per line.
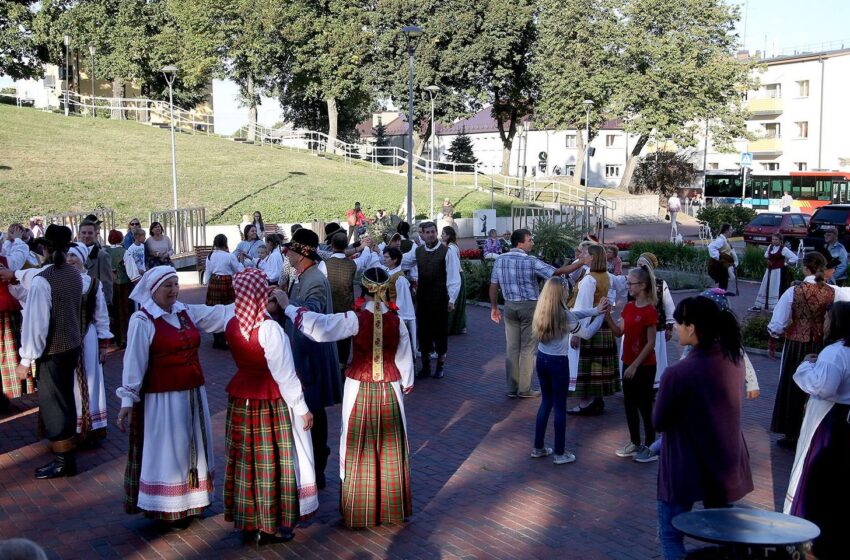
133,472
220,290
598,366
376,489
10,343
260,488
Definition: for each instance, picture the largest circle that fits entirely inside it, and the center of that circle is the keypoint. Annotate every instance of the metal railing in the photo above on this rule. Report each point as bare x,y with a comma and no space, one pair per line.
142,110
186,227
74,219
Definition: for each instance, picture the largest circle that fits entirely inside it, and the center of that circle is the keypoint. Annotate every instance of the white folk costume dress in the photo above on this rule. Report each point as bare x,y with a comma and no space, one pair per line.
776,278
402,296
819,487
170,466
270,481
89,387
374,456
594,365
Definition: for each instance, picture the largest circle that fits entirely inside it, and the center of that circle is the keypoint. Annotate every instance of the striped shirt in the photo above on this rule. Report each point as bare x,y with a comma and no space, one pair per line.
518,274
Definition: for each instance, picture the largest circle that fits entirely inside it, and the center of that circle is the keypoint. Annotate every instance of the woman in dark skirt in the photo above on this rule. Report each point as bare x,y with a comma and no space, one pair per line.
457,317
819,489
800,315
220,268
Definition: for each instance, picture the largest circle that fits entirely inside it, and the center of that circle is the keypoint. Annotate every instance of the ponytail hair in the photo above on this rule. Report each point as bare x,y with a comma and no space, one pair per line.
712,326
644,274
816,264
839,323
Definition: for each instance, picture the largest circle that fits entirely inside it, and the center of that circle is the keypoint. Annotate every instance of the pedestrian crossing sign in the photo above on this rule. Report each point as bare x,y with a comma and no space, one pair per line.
746,159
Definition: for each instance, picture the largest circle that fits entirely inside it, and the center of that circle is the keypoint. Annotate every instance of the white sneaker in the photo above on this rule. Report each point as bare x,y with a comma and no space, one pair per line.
542,452
646,455
628,450
567,457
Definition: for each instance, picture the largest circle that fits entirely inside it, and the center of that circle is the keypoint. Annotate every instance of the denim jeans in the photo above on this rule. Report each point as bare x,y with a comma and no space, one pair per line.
672,540
554,375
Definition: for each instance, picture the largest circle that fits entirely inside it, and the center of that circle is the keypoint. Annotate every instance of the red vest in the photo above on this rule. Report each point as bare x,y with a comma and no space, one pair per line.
173,363
775,259
808,312
253,379
7,301
361,363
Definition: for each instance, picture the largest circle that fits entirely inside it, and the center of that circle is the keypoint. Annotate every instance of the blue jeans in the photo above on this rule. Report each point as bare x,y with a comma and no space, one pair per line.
672,540
554,375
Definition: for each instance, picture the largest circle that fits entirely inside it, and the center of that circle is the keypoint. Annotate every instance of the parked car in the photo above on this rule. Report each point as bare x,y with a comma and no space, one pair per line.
837,215
793,227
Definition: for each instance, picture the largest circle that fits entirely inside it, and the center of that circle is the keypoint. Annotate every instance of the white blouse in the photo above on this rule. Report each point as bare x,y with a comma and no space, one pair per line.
101,312
140,337
338,326
272,265
221,263
790,256
404,299
16,252
828,378
408,262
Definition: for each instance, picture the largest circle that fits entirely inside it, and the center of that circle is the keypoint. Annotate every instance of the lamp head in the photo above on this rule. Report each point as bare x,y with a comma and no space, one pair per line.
587,103
169,70
412,31
66,39
432,89
92,50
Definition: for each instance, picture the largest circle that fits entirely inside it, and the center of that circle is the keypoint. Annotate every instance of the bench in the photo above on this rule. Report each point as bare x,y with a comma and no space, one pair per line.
201,254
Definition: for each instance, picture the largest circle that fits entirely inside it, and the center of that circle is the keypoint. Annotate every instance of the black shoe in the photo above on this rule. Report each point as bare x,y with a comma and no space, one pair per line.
259,538
57,468
440,372
426,370
5,404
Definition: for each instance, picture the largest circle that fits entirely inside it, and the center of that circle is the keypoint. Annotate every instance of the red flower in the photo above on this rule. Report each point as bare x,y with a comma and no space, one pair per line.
471,254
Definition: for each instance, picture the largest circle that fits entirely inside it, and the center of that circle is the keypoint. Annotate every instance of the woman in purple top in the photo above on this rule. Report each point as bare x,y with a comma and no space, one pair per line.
492,245
704,456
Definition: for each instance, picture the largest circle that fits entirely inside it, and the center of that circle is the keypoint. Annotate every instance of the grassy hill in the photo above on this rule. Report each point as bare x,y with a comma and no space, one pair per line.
53,164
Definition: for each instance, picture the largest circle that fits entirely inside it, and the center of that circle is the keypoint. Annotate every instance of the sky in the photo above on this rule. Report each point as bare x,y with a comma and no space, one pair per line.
788,25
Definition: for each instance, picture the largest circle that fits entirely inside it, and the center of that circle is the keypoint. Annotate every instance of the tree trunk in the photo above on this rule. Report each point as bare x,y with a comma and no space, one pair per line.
118,95
507,148
333,118
626,179
252,110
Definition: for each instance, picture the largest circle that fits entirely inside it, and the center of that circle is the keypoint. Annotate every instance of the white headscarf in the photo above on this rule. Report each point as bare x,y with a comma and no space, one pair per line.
80,251
153,279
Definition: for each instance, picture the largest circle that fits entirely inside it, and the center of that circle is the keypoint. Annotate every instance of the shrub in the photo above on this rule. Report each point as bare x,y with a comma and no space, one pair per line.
715,216
553,241
751,264
754,332
669,254
688,276
476,274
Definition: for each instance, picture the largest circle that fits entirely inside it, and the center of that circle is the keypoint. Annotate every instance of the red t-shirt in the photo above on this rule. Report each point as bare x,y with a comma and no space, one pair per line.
635,322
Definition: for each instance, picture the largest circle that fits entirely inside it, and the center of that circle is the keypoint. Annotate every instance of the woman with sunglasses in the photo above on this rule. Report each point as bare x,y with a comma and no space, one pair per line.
132,226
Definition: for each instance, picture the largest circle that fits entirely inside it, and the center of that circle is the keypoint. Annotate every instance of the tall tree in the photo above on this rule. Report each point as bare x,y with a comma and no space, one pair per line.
576,59
20,56
461,150
679,69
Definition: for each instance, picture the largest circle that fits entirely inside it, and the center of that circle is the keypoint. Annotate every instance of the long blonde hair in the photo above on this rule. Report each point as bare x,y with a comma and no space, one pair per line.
645,275
550,319
598,258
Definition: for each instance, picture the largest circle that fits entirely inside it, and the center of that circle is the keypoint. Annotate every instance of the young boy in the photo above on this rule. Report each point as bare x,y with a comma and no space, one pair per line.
134,257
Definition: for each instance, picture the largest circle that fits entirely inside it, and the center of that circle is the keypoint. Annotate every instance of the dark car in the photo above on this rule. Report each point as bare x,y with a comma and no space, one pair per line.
793,227
837,215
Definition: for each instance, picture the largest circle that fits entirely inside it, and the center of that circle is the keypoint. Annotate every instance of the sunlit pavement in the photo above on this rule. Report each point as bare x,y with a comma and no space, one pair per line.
477,493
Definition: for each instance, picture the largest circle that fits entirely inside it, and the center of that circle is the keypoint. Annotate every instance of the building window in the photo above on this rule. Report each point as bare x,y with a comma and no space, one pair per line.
773,91
802,129
609,140
804,88
772,130
612,170
570,170
571,140
770,166
713,165
801,165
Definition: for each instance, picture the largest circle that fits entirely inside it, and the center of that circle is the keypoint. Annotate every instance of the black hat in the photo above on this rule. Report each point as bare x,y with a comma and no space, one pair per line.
332,229
56,237
92,218
304,242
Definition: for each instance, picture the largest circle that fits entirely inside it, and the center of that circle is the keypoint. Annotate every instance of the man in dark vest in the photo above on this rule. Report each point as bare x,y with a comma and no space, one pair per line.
437,289
316,363
341,271
50,337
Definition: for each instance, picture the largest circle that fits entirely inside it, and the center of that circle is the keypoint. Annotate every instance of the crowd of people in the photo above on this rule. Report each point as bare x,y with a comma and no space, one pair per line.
288,312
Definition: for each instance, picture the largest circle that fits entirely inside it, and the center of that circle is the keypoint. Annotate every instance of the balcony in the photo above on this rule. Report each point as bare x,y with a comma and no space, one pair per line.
764,106
766,147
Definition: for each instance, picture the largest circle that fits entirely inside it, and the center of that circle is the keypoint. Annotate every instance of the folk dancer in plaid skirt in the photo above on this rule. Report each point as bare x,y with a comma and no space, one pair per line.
593,354
218,276
374,464
170,465
269,482
89,388
10,341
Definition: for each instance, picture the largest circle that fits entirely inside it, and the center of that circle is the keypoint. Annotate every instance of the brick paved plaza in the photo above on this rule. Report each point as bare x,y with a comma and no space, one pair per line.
477,494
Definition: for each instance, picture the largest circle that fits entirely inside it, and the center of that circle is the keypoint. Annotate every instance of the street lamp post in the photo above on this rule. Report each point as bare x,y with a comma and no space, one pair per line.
170,72
67,40
412,33
91,52
432,91
588,105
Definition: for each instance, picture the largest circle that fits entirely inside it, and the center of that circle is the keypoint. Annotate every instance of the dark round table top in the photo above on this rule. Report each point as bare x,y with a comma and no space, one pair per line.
745,526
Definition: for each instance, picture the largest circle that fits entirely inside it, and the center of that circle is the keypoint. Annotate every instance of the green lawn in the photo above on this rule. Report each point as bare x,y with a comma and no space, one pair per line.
53,164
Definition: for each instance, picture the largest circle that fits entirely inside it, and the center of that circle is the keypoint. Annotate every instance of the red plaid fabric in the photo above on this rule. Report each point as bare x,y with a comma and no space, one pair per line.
220,290
251,287
10,342
376,489
598,366
260,489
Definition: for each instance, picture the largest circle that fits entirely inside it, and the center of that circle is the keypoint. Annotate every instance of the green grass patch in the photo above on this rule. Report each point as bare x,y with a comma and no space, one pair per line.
55,164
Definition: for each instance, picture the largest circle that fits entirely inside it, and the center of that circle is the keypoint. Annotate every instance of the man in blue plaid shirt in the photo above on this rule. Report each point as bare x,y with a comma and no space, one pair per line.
519,274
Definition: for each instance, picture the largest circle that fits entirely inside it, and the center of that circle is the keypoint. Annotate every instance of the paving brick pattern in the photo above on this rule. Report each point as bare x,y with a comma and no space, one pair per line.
477,494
